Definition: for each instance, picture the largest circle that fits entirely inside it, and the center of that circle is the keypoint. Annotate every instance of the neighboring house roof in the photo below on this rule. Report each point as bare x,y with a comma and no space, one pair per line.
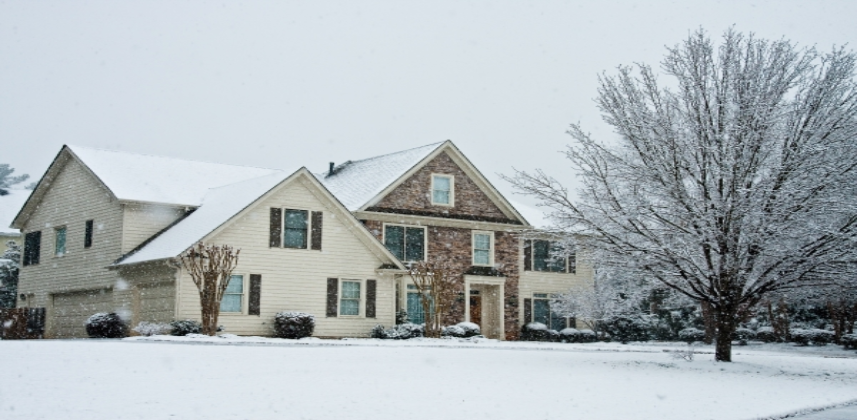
356,183
157,179
10,205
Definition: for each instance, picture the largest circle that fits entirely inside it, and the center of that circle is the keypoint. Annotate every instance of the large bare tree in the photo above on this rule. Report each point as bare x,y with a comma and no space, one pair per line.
733,180
438,287
210,267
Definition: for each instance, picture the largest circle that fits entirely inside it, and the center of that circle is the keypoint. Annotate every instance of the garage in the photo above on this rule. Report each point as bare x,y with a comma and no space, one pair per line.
157,302
71,310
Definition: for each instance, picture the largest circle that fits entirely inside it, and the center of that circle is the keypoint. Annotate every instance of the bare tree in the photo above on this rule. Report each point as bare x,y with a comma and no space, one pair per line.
735,181
211,267
438,287
7,180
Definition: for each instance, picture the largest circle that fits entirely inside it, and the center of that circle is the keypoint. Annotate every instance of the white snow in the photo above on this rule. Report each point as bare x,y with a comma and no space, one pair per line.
218,206
261,378
355,183
10,205
157,179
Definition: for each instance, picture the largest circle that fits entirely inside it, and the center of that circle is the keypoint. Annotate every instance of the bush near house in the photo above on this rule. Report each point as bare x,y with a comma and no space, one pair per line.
743,335
849,341
534,331
691,335
185,327
147,329
814,336
399,332
106,325
294,325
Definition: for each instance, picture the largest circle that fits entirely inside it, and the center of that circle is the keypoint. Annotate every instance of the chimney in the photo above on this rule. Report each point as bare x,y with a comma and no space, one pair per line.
330,172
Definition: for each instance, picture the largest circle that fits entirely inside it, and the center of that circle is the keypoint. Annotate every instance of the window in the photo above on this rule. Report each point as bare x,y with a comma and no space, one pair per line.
233,296
87,238
32,247
482,248
349,302
442,187
549,256
59,243
295,233
416,314
543,313
407,243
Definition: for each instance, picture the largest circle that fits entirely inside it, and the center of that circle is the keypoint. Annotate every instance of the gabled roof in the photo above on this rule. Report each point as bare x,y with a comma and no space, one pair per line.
158,179
356,183
360,184
222,205
10,205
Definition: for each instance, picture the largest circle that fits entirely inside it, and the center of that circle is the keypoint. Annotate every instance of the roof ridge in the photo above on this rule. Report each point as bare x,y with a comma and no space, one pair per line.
394,153
73,147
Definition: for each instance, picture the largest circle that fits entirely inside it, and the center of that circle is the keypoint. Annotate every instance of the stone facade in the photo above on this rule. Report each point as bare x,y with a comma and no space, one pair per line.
413,196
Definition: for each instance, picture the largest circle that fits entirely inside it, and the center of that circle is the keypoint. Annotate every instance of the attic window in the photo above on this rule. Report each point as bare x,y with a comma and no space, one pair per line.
442,190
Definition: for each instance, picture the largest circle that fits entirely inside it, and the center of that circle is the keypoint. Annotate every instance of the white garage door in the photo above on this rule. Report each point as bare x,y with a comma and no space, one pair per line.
71,310
157,302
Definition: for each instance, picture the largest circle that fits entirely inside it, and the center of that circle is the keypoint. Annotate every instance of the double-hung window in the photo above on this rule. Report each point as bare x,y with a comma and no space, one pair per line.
349,301
233,296
59,243
296,226
442,190
549,256
543,313
483,248
407,243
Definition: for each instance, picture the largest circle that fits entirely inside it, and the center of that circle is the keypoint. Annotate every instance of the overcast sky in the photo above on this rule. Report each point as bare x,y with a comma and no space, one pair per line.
285,84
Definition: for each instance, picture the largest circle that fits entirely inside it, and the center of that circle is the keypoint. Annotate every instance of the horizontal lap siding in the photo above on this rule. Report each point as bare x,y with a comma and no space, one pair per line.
142,221
296,280
543,282
73,197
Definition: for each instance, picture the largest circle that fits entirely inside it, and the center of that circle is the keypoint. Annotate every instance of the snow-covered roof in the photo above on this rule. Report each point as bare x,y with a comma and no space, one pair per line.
218,206
157,179
10,205
355,183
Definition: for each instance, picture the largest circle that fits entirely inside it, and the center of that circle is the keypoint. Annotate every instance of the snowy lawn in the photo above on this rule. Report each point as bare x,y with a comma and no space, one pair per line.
258,378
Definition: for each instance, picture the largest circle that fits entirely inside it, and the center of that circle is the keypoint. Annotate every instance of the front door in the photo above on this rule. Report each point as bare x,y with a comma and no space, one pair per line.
476,309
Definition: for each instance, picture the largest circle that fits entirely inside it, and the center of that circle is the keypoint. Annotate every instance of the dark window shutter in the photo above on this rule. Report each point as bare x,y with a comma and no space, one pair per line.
32,247
528,255
254,306
528,311
87,238
572,263
276,227
317,220
371,293
332,296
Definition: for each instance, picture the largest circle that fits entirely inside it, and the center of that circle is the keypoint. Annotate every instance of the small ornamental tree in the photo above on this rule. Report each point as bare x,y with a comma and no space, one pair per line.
438,288
210,267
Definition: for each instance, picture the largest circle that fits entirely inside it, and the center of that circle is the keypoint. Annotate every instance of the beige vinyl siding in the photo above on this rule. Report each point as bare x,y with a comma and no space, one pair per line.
296,279
73,197
142,221
546,282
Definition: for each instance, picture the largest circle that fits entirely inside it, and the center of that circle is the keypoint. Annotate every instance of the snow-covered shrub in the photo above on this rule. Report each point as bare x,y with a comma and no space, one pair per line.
534,331
401,316
378,331
587,336
452,331
470,329
627,328
690,335
743,335
398,332
552,336
293,325
814,336
569,335
106,325
849,341
146,328
767,335
184,327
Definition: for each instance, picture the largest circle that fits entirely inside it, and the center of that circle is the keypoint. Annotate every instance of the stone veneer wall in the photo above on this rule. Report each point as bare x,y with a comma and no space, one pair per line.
454,245
414,195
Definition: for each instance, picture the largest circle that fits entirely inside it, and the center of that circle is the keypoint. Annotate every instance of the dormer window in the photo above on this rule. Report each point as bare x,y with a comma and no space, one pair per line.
442,190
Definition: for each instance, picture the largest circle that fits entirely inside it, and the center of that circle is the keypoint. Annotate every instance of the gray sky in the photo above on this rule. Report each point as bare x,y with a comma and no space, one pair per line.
286,84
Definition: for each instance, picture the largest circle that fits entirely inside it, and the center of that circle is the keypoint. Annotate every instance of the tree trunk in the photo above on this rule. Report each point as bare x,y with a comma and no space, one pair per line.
726,320
708,322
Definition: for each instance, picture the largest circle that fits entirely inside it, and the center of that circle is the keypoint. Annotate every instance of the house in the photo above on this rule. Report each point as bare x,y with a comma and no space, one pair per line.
103,231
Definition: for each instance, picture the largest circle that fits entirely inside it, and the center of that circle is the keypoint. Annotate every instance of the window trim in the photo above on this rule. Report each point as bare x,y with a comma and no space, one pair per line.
308,244
64,229
360,300
473,247
405,252
451,179
244,295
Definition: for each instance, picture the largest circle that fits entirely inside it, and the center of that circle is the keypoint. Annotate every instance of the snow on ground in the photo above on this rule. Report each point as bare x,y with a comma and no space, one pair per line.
261,378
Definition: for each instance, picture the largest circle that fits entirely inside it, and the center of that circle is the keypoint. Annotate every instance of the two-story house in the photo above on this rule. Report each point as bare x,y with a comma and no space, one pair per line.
103,231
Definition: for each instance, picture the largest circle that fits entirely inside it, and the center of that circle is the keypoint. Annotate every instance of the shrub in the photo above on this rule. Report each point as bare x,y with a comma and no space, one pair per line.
805,337
401,317
588,336
452,331
534,331
569,335
470,329
106,325
690,335
849,341
552,336
293,325
147,329
185,327
743,335
767,335
398,332
378,332
626,328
